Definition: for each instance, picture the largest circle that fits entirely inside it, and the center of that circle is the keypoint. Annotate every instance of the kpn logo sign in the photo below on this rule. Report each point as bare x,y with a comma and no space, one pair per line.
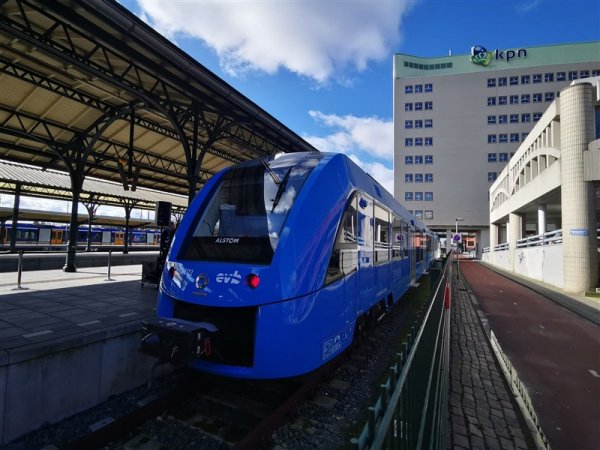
483,57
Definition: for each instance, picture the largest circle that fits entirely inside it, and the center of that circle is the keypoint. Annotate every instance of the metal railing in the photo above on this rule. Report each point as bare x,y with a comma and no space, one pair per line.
548,238
410,412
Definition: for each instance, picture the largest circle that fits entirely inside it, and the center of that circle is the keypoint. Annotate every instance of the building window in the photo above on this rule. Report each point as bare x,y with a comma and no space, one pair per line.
408,177
491,82
408,160
419,141
418,124
537,98
491,120
514,118
503,157
418,196
408,124
428,178
428,123
525,98
514,137
418,88
492,157
418,159
408,89
428,105
514,80
561,76
537,77
408,196
492,176
491,138
502,100
595,73
549,96
584,74
549,77
525,118
428,159
429,87
428,215
408,107
525,79
428,141
523,137
418,177
572,76
514,99
503,138
419,214
419,106
408,142
491,101
502,119
502,81
537,116
428,196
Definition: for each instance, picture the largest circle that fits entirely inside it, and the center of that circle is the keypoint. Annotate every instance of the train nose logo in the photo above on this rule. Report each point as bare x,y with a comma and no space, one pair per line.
202,281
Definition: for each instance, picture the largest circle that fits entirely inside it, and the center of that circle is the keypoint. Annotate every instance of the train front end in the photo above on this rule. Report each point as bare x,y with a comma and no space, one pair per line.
234,299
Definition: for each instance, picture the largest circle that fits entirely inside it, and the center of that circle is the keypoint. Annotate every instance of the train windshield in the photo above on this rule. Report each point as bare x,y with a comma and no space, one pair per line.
243,220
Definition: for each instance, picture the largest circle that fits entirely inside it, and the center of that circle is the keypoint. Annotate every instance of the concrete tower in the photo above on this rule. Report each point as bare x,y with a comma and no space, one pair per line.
580,257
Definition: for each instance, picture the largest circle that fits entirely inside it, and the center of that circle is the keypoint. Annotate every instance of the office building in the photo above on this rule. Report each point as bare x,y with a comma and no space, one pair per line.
458,119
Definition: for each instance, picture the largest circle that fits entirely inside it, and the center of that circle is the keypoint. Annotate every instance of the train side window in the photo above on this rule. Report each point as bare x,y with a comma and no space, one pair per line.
397,239
344,256
382,235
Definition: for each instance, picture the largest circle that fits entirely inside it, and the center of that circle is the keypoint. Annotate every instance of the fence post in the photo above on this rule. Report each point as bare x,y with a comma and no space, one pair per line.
20,271
108,278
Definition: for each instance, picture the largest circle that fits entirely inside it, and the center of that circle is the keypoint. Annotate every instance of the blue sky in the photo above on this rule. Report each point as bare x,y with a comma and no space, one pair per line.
324,67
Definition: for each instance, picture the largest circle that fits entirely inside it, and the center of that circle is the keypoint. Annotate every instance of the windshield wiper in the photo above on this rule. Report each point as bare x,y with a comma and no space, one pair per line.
276,179
281,189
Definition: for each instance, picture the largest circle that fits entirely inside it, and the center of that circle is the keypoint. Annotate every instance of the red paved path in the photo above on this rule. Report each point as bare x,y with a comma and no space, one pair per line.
552,349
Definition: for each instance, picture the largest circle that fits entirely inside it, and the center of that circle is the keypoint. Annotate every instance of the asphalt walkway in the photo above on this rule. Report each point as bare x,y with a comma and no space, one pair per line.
555,351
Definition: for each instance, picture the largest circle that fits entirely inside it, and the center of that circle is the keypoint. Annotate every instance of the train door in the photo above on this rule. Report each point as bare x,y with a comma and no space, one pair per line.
366,273
45,236
106,237
413,254
57,236
119,237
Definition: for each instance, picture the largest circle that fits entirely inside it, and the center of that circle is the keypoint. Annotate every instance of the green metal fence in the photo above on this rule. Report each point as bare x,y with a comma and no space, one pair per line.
411,411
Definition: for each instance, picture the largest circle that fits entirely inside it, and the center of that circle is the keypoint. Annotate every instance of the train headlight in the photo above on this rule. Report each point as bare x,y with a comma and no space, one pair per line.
253,280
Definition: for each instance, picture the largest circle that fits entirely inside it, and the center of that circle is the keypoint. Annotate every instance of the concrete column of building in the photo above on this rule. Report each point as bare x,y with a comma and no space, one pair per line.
541,228
514,234
493,240
580,257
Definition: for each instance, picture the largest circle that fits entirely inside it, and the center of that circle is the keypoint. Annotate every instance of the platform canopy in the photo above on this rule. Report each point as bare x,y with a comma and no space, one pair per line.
90,89
51,184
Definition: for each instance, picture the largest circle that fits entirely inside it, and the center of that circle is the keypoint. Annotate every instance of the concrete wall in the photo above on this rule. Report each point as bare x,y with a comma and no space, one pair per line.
544,263
40,385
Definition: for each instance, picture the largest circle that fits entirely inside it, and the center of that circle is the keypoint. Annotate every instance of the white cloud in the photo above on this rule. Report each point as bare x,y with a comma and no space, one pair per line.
378,171
526,7
316,39
368,141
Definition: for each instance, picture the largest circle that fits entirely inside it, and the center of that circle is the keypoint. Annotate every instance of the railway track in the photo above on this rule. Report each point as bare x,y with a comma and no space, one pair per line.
207,412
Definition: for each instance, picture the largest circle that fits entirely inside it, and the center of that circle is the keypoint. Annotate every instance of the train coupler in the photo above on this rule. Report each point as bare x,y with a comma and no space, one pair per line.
176,341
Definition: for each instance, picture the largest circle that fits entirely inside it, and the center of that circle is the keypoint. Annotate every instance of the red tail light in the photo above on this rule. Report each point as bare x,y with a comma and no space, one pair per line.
253,280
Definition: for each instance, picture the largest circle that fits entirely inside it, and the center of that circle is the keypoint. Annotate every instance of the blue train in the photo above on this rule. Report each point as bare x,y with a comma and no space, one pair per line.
277,265
43,235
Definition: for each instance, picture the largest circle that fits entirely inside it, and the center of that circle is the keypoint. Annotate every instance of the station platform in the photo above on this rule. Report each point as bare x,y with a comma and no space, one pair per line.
69,341
551,339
